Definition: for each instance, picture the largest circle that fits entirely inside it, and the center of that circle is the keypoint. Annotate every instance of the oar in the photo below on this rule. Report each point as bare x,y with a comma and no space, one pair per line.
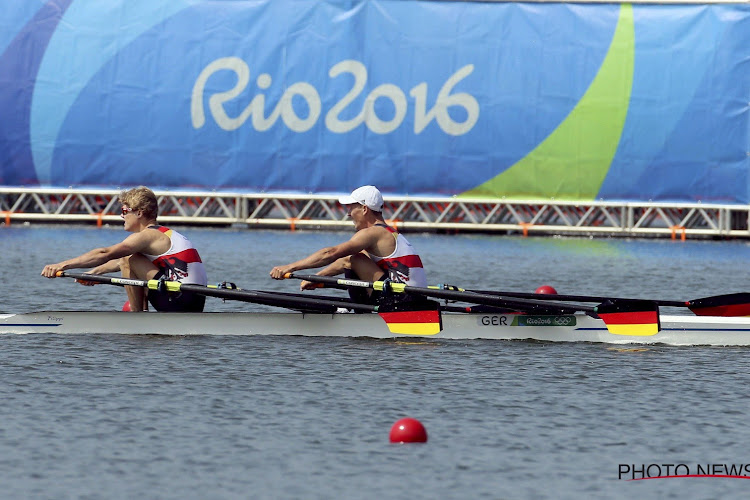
450,294
733,304
407,322
622,317
279,299
556,297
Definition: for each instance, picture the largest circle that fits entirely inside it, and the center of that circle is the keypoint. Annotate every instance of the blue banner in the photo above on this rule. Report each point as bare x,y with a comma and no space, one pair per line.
477,99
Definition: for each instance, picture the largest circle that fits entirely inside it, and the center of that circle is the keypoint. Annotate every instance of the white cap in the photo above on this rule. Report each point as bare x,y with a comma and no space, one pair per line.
368,196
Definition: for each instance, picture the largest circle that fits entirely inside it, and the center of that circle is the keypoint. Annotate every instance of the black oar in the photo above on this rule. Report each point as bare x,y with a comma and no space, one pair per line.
280,299
556,297
733,304
450,294
622,317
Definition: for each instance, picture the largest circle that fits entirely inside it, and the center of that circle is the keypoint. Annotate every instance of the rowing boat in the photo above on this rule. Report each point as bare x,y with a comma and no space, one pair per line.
720,320
675,329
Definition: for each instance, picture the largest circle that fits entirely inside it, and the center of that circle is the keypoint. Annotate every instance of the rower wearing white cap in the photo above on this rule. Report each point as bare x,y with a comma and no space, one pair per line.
375,252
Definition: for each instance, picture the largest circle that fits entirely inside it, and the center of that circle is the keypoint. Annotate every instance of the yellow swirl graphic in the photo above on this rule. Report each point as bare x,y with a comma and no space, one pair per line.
572,162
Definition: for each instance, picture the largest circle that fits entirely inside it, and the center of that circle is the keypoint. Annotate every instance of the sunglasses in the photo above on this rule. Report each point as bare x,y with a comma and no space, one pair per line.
126,211
353,208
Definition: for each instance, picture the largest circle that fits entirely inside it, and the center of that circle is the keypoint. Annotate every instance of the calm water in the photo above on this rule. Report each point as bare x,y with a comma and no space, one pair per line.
285,417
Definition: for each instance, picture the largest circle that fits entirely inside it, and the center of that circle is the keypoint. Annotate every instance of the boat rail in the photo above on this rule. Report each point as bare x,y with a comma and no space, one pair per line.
407,213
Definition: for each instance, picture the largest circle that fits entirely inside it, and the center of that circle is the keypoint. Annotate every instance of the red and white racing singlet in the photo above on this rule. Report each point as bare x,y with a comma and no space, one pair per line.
181,262
403,265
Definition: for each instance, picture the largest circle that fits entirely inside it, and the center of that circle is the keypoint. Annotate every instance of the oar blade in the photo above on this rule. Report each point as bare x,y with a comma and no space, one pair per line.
733,304
638,318
412,318
413,322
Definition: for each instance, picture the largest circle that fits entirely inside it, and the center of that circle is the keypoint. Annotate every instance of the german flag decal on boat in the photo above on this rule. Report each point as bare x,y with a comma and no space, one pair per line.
413,322
630,317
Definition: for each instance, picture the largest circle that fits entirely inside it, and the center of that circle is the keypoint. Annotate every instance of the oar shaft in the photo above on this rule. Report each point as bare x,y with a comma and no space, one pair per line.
538,299
574,298
330,280
460,295
273,298
99,278
279,299
491,300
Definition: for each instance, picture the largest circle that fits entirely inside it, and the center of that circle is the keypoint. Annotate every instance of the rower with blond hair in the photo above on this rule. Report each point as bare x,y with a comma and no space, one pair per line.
152,252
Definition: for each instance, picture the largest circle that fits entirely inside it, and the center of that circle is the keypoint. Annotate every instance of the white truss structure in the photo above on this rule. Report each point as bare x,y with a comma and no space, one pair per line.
298,211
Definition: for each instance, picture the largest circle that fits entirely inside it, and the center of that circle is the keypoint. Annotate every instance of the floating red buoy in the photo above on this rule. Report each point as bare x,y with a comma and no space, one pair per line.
126,306
408,430
546,289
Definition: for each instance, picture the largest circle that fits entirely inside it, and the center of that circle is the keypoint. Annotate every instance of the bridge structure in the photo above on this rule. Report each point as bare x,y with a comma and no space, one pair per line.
408,214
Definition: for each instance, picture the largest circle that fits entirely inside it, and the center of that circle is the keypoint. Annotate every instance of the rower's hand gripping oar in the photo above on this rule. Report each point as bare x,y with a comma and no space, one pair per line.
622,317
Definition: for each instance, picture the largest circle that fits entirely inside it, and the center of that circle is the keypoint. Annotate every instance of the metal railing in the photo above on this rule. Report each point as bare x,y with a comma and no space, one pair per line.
297,211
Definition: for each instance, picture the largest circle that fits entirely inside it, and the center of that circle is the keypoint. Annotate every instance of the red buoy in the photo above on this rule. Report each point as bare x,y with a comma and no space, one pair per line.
126,306
408,430
546,289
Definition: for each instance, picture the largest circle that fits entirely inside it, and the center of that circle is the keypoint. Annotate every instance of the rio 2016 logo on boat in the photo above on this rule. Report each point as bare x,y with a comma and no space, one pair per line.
309,94
520,320
546,320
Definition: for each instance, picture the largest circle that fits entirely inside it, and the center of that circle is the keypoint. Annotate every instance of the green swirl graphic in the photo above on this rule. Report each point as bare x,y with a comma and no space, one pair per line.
572,162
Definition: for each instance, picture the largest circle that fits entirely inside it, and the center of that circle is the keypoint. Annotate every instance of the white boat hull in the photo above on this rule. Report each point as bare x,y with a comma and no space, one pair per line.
675,330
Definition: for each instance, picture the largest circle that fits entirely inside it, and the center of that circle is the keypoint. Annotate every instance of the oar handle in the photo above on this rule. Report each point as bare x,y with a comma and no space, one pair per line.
110,280
61,274
316,284
314,278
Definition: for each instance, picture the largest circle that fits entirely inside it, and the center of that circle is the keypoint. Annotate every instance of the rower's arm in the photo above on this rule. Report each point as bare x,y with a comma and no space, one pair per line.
337,267
333,269
329,256
99,256
324,257
108,267
95,257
